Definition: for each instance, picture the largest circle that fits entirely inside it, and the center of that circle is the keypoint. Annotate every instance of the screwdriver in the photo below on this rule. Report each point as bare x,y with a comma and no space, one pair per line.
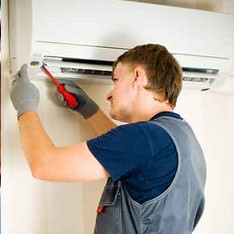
68,97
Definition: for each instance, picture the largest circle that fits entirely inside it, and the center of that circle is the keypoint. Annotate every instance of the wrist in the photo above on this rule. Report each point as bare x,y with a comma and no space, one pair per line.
27,114
89,109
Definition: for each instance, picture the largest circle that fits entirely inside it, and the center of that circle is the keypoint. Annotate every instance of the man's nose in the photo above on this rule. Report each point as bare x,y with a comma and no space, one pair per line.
109,96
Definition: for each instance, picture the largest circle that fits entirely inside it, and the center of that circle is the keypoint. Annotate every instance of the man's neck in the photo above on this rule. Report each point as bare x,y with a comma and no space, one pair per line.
146,116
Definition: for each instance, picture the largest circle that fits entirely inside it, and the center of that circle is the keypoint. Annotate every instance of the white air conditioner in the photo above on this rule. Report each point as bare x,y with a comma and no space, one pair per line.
81,39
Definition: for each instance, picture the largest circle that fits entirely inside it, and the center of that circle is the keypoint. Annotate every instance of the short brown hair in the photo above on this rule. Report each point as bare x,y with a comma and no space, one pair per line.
163,71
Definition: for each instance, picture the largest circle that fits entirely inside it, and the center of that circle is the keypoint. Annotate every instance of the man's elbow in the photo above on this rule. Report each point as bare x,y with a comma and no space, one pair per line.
37,173
38,167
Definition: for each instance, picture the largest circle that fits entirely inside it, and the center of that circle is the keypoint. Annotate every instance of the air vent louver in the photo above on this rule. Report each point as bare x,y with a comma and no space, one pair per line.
85,71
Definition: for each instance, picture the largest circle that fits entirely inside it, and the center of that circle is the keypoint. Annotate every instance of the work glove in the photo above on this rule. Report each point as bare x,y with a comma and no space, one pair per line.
86,106
24,95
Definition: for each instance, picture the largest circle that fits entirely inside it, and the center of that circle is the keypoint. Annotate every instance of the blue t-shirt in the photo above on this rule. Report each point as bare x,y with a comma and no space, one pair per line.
142,155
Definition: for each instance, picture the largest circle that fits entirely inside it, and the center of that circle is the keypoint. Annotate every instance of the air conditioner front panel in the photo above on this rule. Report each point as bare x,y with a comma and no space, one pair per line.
123,25
75,51
44,49
222,64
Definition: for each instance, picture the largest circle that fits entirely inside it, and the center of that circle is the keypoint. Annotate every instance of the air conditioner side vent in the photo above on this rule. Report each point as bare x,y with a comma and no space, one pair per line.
201,80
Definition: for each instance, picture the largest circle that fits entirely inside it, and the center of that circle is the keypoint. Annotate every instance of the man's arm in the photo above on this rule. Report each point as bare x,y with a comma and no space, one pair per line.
90,111
48,162
73,163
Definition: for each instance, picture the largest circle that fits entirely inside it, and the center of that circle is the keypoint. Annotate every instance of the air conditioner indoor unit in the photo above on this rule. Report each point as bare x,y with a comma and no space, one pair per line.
81,39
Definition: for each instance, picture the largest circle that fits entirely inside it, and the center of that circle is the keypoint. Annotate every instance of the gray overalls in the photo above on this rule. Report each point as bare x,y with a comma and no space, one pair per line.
177,210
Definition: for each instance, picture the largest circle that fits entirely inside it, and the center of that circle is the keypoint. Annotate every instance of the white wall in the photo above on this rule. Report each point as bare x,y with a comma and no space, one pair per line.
36,207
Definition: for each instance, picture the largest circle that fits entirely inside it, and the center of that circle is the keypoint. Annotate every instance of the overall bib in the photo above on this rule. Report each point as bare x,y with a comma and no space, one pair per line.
177,210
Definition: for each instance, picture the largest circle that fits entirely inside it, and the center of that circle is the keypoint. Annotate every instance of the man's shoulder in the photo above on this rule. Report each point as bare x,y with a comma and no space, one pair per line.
149,130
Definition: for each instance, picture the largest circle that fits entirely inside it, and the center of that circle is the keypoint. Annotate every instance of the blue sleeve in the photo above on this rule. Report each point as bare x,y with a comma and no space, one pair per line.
121,150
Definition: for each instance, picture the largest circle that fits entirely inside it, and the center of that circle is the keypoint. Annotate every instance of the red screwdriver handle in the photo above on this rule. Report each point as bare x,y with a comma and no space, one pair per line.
69,98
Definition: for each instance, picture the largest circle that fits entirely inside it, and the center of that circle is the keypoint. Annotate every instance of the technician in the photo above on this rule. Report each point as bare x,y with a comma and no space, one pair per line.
154,164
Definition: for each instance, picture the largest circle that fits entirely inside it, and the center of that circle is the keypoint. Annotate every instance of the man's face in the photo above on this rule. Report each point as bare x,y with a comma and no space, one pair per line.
122,96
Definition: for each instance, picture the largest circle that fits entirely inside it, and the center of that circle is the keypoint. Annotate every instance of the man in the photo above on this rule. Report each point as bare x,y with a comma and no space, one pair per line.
154,164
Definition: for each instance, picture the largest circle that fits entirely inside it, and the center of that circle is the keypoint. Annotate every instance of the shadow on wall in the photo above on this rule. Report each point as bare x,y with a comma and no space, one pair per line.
177,3
208,5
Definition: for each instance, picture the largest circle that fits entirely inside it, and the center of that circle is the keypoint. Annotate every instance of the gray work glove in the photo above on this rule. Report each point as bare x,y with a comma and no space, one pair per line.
86,106
24,95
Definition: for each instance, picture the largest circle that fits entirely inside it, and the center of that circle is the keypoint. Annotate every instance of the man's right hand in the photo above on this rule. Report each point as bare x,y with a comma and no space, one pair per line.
24,95
86,106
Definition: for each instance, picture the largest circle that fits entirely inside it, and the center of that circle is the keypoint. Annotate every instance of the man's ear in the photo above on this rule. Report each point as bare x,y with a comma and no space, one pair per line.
140,78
